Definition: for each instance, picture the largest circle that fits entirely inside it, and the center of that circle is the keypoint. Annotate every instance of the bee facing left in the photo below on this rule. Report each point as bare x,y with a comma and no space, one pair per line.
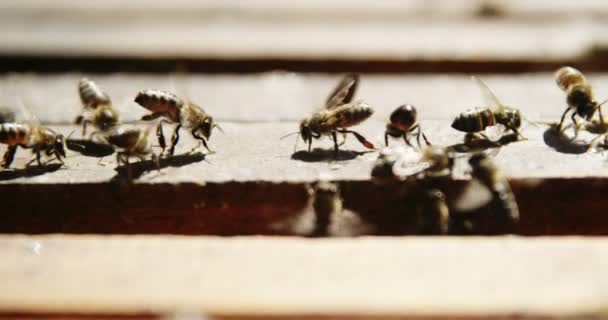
39,139
98,109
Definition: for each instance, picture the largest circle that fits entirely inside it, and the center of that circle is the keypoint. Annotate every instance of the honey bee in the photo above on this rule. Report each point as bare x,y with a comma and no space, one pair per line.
326,203
489,175
98,109
402,123
339,113
130,142
580,96
432,212
173,109
476,120
29,136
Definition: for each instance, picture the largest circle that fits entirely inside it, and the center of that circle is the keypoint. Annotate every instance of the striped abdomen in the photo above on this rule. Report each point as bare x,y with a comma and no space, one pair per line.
159,101
91,94
474,120
567,77
354,115
14,134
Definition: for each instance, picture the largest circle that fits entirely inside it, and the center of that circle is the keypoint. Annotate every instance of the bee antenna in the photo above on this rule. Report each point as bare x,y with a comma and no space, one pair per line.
599,105
71,133
289,134
215,125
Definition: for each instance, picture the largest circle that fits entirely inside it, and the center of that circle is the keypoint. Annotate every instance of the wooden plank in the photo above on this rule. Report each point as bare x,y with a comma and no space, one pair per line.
315,31
259,181
537,277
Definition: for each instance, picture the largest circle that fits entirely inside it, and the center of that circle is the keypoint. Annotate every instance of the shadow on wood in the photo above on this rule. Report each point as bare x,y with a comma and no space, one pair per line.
561,143
320,155
31,171
484,144
89,148
141,167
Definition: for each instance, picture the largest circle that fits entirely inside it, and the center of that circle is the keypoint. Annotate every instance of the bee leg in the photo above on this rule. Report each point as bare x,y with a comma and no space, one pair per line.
201,139
161,137
335,138
406,138
38,158
561,121
174,139
9,155
361,139
84,126
309,145
573,117
518,133
78,119
343,139
386,138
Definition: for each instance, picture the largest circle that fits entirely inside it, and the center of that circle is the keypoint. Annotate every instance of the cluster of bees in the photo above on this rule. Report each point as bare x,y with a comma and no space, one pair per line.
428,201
98,111
340,113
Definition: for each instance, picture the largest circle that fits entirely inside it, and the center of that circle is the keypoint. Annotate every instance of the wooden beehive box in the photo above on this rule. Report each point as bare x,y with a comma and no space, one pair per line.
82,242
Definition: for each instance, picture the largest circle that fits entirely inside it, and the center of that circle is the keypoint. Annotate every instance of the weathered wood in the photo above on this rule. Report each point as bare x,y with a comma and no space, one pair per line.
498,277
395,31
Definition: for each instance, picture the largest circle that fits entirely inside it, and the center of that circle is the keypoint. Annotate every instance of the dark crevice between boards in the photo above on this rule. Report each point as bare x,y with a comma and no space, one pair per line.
558,206
595,61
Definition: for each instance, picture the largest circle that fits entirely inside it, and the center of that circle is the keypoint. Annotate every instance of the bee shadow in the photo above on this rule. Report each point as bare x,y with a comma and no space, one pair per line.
31,171
89,148
561,143
141,167
484,144
321,155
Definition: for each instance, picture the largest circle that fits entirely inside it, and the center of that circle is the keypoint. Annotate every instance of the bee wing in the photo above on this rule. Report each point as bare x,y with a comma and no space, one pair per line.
27,116
488,96
344,92
475,196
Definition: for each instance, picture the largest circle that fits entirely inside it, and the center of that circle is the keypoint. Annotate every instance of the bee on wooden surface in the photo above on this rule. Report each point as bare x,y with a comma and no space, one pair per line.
29,136
339,113
98,109
501,197
130,142
476,120
326,203
579,96
173,109
402,123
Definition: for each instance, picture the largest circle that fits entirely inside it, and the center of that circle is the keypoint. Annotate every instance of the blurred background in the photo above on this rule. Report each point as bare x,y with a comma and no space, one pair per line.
316,35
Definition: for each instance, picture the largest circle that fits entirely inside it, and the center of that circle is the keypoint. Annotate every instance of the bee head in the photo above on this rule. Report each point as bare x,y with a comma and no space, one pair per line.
108,118
58,146
206,126
404,116
305,131
581,97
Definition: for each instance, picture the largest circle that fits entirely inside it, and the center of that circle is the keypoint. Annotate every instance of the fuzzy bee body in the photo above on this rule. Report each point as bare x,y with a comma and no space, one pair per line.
486,172
326,203
39,139
130,142
579,95
91,94
402,123
98,108
476,120
176,110
339,114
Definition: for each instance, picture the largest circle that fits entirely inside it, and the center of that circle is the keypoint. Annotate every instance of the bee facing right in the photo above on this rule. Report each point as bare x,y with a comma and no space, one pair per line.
97,107
579,95
477,120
